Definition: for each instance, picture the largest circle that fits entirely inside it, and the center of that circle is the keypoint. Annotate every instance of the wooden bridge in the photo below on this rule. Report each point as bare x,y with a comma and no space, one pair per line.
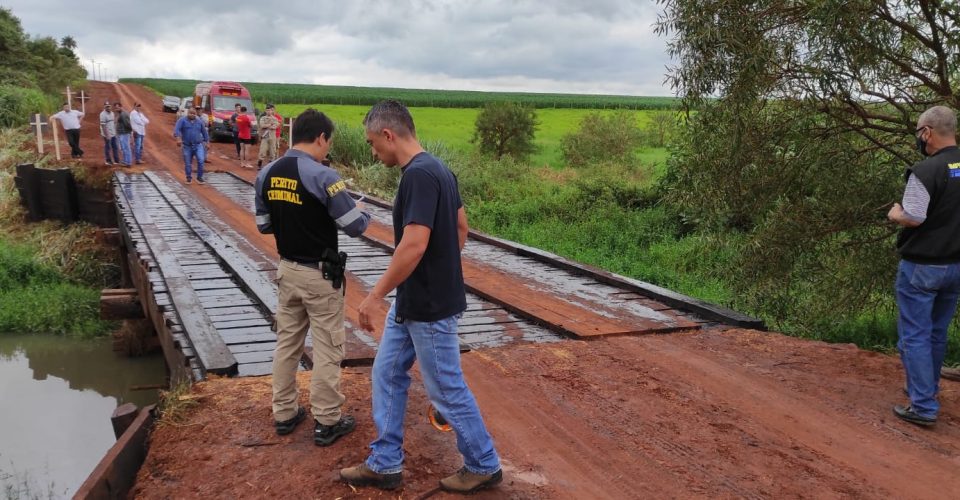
211,296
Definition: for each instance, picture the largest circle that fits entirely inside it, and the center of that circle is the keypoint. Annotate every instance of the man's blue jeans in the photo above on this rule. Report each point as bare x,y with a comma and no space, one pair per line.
191,151
124,140
110,145
927,299
437,348
138,147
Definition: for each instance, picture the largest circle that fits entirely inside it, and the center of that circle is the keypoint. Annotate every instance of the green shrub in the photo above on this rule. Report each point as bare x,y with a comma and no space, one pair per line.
19,269
602,137
17,104
60,308
506,128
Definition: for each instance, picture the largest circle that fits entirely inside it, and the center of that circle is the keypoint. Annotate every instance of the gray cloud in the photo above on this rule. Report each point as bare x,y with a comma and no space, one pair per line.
604,46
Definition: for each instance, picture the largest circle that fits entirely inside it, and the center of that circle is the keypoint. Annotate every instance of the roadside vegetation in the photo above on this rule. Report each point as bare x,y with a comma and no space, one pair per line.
50,274
33,71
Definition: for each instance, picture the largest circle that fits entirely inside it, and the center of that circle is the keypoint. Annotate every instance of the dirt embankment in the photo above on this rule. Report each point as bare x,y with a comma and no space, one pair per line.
717,413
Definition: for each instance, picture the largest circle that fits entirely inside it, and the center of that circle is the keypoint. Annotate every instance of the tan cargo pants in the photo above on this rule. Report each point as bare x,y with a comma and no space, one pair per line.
306,300
268,148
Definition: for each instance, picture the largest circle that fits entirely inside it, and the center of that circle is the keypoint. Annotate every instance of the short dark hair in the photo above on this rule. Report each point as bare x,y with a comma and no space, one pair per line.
66,104
311,124
242,108
390,114
237,104
270,106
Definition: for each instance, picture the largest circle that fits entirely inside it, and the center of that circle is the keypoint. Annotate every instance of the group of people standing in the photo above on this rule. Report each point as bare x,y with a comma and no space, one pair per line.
270,126
304,203
116,128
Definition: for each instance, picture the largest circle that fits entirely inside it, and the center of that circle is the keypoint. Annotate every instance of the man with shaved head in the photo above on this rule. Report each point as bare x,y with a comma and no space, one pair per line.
928,279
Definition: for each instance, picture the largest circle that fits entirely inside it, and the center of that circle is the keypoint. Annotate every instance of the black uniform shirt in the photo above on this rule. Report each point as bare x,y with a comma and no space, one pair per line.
303,202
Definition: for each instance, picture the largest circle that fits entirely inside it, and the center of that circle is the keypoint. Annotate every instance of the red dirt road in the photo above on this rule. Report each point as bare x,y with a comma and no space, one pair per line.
715,413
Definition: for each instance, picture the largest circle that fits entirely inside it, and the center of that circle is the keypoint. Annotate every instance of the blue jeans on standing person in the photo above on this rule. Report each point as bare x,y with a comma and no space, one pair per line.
191,151
124,140
108,146
436,346
926,299
138,147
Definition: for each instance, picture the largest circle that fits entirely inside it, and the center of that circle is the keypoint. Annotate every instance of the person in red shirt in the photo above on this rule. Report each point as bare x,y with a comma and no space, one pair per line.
244,126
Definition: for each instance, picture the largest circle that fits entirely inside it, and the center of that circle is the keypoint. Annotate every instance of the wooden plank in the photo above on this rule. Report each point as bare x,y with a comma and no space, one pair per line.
116,473
212,353
255,369
118,304
261,288
260,321
527,300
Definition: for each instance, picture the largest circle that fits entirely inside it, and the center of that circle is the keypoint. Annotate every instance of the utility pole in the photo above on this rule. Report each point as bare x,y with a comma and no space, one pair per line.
100,71
93,69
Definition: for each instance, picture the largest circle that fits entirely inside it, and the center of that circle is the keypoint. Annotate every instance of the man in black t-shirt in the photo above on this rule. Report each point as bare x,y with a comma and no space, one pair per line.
928,278
304,203
430,229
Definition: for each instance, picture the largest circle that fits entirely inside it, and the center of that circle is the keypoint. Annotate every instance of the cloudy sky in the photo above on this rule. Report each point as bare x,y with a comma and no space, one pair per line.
576,46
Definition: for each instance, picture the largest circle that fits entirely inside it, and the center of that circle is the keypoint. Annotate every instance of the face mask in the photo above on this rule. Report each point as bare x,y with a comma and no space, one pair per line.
922,145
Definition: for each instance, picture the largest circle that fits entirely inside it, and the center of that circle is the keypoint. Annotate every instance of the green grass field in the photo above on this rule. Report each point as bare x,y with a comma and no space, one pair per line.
292,93
454,127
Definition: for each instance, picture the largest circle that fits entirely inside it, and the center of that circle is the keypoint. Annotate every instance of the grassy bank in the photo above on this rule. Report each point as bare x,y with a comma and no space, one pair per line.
50,274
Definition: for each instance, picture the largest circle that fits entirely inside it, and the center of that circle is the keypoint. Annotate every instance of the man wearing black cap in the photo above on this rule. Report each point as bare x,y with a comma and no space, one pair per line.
268,136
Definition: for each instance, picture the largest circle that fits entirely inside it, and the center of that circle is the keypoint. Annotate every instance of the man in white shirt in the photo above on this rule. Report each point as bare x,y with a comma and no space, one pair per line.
70,121
138,121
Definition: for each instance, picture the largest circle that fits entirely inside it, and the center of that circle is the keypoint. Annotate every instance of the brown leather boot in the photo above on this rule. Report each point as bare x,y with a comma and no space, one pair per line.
361,475
465,481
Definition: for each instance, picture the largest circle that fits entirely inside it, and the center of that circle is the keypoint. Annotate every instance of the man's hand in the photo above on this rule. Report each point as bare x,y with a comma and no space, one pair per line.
179,143
895,213
366,309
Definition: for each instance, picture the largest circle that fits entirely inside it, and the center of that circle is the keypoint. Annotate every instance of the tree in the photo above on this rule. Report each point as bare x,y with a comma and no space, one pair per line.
68,42
800,124
506,128
613,136
660,127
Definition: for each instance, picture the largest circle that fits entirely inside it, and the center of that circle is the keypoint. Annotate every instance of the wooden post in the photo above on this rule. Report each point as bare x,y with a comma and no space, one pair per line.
122,417
289,137
56,138
38,124
83,102
69,95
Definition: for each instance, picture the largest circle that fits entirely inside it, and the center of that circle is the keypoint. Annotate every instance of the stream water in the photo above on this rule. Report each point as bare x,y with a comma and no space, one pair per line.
57,395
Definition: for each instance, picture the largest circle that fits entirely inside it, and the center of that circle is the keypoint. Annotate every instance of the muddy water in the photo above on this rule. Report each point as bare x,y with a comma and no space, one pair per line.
56,398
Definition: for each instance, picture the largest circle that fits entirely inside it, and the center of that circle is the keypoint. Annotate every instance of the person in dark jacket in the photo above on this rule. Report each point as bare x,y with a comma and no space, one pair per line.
928,278
124,128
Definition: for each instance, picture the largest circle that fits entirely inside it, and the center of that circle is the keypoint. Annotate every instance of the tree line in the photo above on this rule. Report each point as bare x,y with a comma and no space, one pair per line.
800,124
33,71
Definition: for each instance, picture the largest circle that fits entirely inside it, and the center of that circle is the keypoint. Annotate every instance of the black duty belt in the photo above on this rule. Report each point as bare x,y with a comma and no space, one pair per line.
314,265
332,264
